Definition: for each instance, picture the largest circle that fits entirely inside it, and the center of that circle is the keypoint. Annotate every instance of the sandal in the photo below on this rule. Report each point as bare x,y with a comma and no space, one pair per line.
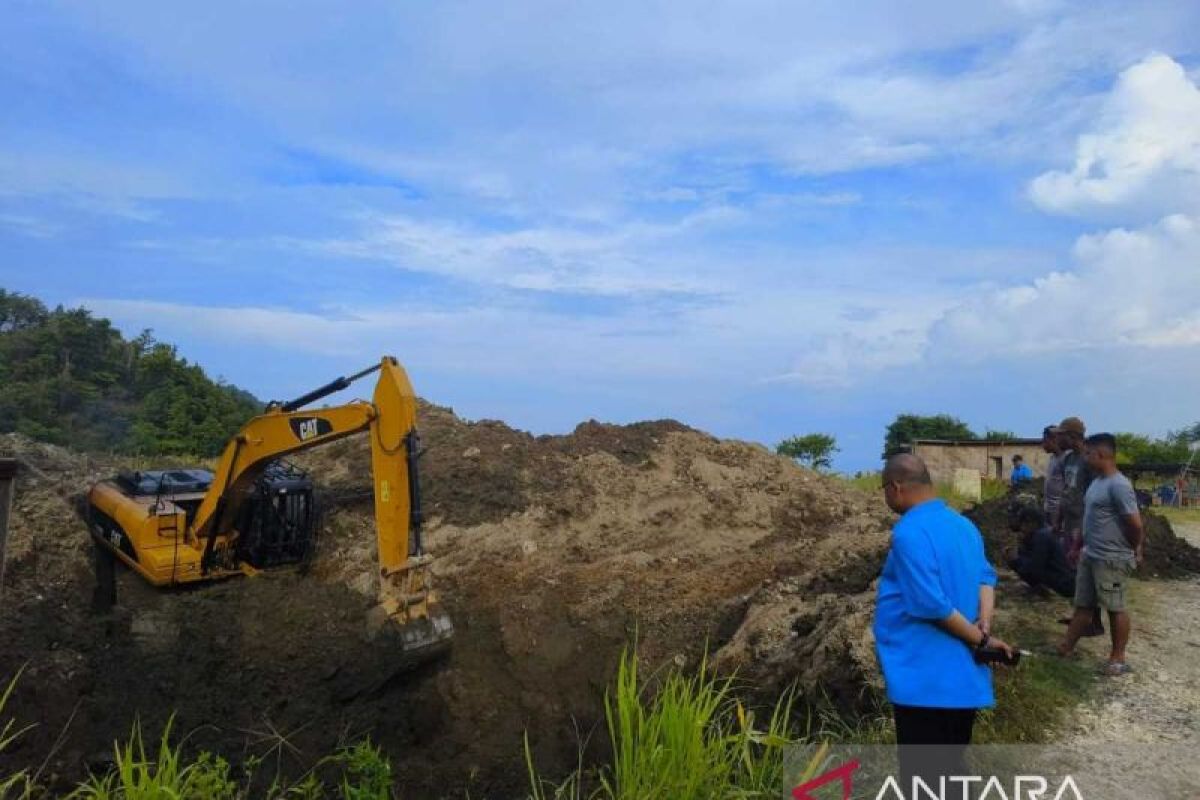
1115,669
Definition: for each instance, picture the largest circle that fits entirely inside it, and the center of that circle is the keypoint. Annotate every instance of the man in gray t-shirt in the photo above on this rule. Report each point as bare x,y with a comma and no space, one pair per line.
1113,538
1108,500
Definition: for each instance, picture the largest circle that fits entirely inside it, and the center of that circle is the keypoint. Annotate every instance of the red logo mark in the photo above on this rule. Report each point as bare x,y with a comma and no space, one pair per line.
844,773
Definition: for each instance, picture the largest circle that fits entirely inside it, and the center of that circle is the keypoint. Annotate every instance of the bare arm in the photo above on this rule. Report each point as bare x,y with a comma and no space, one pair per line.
987,607
960,628
1135,532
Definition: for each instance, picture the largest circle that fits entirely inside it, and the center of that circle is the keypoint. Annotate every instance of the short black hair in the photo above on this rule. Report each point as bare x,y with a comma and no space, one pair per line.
1049,430
1105,440
1018,457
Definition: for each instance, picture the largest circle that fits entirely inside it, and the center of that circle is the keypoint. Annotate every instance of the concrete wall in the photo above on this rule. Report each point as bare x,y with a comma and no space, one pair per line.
943,458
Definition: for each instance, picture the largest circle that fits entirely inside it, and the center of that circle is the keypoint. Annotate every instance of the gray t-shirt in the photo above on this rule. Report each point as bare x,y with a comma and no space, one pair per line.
1054,484
1107,500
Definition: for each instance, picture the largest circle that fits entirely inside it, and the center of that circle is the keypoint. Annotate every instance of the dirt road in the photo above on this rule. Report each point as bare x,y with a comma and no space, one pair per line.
1153,715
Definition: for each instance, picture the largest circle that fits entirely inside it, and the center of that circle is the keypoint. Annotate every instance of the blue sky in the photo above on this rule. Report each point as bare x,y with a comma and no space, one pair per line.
759,218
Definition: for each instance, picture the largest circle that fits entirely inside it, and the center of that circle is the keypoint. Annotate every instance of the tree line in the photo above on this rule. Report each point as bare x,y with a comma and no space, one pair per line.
71,378
816,450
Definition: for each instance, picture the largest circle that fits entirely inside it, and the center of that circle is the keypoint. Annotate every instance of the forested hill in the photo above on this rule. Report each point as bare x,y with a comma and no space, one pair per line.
71,378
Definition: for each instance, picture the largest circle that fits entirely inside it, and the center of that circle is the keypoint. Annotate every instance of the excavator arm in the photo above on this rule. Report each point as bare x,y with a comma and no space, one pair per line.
406,595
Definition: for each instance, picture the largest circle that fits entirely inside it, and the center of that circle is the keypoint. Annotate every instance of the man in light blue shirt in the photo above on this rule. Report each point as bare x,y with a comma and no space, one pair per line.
933,611
1021,473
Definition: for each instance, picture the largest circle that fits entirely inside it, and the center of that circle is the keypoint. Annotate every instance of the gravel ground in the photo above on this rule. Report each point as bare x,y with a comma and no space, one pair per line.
1148,723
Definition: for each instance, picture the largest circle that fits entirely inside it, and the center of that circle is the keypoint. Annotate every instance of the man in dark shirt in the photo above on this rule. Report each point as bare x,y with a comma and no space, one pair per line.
1040,560
1052,445
1068,521
1077,476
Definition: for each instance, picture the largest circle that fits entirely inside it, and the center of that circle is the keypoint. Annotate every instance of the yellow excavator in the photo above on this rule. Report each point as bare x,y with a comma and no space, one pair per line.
183,526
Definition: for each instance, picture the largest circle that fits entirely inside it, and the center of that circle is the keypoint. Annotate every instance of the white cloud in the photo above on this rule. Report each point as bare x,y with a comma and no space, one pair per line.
1143,156
540,114
893,339
92,184
494,340
541,142
1130,289
692,346
326,334
842,150
27,225
609,259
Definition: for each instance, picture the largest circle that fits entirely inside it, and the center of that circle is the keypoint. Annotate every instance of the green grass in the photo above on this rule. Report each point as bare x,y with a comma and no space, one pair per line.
683,736
1189,515
863,481
990,489
690,740
160,775
19,784
1033,700
163,772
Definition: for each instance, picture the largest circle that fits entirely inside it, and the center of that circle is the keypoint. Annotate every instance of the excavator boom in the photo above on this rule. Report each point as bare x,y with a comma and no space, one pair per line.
188,537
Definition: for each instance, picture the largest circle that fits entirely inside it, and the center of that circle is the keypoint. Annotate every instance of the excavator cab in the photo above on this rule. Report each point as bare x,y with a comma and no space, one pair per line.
278,524
256,510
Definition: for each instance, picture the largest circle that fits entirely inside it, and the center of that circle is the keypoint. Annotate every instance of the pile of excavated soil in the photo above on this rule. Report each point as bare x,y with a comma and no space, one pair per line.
1167,554
553,553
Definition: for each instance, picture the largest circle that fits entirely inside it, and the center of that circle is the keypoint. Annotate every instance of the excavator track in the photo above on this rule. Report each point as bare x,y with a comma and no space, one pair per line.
254,511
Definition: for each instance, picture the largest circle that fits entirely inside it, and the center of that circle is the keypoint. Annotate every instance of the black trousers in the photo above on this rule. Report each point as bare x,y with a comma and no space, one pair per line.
920,725
918,729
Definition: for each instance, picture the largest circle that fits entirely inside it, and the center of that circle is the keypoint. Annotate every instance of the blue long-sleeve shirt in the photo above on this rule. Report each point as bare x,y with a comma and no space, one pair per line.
935,566
1021,474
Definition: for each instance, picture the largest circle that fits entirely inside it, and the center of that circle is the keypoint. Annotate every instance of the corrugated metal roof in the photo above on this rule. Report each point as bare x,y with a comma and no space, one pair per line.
979,442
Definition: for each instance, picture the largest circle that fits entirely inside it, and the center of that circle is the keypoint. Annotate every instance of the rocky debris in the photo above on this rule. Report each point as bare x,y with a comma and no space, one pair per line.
1156,708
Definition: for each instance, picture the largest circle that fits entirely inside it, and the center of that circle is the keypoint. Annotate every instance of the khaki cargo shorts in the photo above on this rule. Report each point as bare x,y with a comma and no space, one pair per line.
1101,583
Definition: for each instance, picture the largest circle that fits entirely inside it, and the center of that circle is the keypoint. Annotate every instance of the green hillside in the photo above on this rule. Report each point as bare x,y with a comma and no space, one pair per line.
71,378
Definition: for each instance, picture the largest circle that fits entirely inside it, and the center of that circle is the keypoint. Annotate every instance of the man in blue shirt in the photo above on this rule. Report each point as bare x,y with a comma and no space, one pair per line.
933,611
1021,473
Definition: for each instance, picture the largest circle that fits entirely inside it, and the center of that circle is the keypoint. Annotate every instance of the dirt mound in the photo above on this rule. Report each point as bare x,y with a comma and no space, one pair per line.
553,553
1167,554
50,486
484,471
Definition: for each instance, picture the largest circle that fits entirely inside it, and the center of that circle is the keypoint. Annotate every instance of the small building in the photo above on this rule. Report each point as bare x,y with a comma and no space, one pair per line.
991,458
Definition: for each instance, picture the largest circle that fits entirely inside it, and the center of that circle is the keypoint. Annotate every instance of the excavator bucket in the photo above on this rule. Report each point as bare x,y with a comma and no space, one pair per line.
410,615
